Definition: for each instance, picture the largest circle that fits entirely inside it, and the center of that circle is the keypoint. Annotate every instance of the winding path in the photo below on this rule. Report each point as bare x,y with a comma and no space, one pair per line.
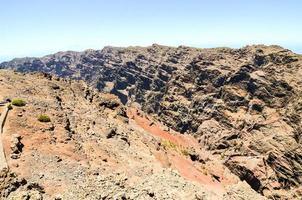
3,163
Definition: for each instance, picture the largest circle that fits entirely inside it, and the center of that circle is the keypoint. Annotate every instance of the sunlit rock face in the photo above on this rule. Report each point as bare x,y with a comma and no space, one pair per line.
243,105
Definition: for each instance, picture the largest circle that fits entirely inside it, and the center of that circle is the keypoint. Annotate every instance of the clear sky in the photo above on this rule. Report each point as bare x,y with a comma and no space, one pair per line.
38,27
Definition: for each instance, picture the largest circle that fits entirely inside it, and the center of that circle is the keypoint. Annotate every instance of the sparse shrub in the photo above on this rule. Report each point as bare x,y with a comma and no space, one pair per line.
44,118
18,102
167,144
185,152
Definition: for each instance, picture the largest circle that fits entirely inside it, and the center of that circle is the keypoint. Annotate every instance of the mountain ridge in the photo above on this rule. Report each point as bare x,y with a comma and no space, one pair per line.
138,46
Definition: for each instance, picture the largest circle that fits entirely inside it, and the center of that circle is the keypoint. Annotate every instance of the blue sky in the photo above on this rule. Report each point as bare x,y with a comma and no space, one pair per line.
39,27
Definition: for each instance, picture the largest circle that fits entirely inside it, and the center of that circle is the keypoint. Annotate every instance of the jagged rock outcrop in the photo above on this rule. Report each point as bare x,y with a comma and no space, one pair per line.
16,146
243,105
12,187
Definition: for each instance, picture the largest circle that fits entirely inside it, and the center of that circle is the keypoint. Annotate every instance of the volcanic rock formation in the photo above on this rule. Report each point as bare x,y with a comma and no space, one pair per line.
243,106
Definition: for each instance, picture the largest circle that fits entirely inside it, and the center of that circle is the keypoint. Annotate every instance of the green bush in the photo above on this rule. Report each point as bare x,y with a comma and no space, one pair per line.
18,102
44,118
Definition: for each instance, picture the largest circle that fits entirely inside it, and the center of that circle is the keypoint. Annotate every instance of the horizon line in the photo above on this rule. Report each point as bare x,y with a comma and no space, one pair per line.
7,58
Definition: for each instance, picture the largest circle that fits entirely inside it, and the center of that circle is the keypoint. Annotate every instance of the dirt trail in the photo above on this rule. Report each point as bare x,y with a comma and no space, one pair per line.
3,163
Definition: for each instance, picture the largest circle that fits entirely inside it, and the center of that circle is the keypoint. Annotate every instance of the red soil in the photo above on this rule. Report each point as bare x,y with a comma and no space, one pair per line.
156,130
172,159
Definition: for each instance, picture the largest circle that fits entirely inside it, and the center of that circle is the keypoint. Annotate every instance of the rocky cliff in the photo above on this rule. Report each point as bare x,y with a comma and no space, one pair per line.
241,105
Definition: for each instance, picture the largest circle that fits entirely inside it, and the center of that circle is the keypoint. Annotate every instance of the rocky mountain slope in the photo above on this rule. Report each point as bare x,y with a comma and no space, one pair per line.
93,147
243,106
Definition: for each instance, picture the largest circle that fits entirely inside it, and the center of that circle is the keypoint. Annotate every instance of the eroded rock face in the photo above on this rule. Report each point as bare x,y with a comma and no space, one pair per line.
16,146
94,147
241,104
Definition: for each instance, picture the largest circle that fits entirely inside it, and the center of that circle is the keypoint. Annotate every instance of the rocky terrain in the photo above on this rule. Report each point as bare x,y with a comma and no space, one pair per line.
224,115
93,147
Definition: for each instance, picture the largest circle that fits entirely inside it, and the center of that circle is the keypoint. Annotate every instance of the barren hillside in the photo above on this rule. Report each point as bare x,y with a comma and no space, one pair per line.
199,119
91,149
